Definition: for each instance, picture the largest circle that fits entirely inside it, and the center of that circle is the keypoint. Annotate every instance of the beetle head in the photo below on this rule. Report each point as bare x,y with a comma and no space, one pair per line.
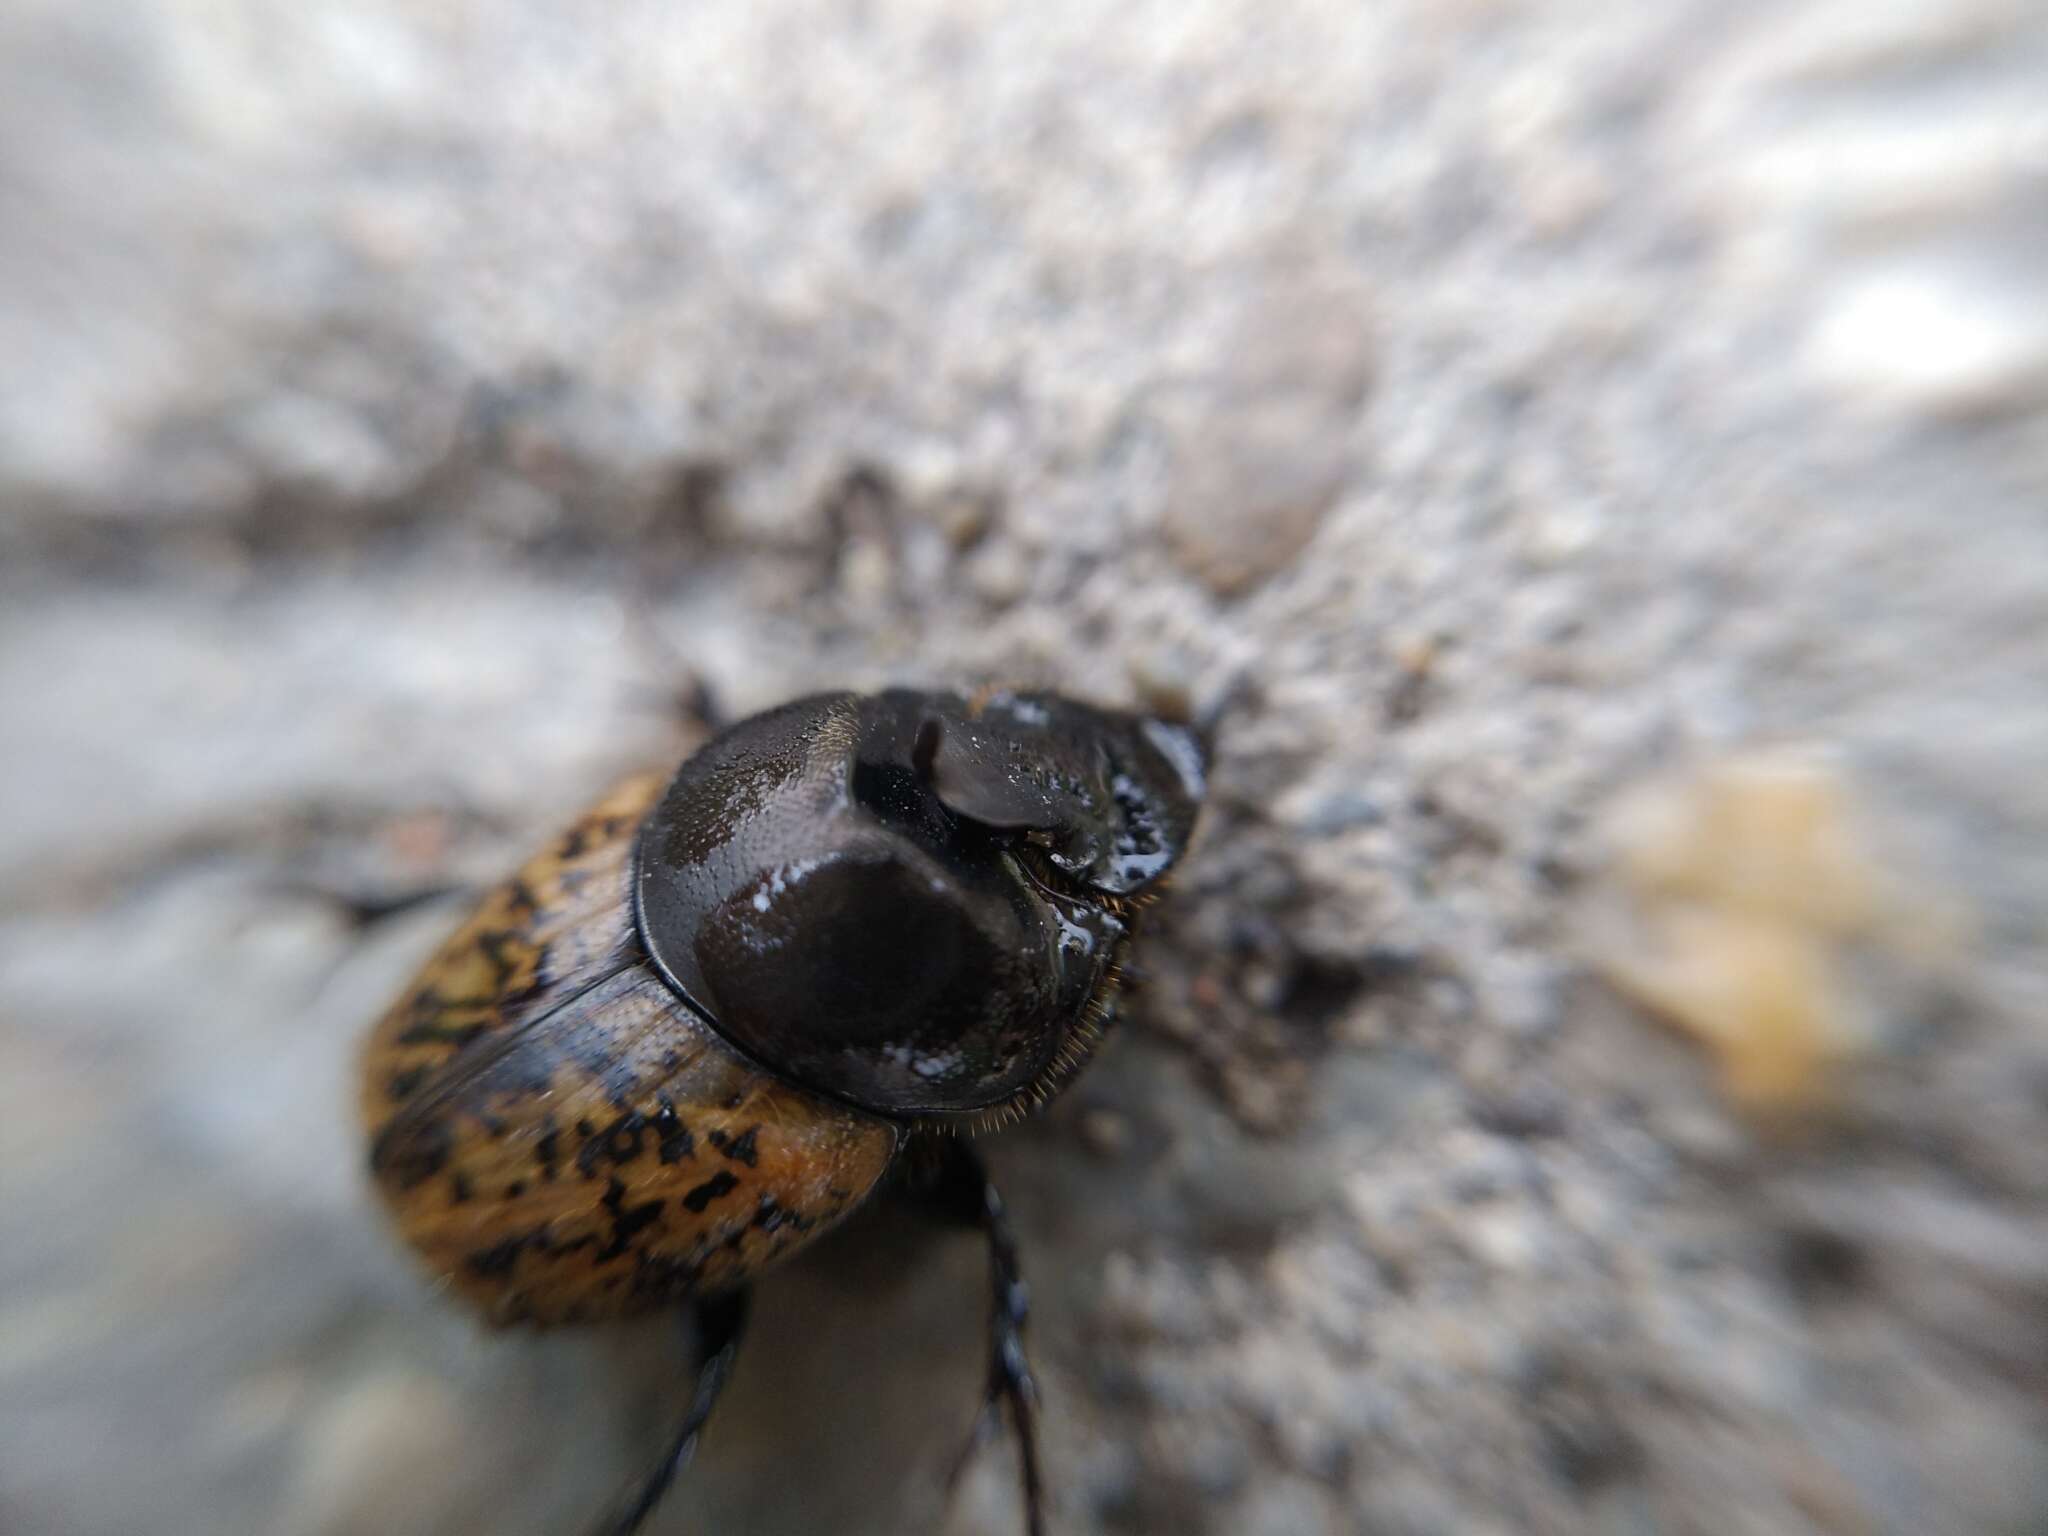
908,902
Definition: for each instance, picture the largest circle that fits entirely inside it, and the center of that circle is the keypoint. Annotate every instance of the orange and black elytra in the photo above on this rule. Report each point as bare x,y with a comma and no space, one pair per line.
717,1015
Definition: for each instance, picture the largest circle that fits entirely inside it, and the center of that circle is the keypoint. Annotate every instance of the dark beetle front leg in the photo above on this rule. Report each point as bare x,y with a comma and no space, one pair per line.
721,1322
957,1191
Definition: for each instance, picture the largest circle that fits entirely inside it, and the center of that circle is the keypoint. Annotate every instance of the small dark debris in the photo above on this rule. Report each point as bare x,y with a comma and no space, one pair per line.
1821,1266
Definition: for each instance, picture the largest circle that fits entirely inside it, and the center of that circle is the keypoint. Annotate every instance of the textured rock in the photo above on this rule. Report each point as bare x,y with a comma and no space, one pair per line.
1263,442
412,418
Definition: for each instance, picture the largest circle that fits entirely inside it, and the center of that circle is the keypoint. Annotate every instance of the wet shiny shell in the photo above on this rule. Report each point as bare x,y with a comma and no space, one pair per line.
910,901
562,1138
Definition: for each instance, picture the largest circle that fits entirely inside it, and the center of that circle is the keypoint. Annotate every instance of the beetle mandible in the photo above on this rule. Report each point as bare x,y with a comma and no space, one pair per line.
715,1017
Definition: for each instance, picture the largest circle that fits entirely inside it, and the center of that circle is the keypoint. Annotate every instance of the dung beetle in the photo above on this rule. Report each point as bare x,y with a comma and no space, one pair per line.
715,1017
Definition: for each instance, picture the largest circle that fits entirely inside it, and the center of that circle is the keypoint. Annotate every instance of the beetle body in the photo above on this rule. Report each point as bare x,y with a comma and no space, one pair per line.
697,1030
562,1138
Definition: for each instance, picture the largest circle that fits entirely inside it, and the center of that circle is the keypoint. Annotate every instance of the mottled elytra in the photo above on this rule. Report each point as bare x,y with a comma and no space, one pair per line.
713,1018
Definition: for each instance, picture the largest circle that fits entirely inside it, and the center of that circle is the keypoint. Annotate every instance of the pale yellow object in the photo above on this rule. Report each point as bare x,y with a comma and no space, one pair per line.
1730,897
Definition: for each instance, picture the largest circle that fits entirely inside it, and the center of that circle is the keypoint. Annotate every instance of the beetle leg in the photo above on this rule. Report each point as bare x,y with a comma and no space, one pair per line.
721,1322
961,1194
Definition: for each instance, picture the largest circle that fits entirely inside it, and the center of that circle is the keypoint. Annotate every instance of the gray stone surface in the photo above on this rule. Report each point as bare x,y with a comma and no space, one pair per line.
401,403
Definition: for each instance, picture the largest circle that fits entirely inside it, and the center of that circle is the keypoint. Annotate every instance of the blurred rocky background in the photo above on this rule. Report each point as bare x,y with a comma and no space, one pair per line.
1593,1077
